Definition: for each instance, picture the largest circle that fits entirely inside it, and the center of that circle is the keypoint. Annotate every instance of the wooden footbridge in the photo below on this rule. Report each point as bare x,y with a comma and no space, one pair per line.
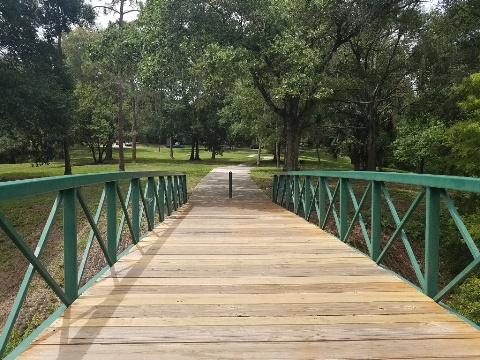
243,278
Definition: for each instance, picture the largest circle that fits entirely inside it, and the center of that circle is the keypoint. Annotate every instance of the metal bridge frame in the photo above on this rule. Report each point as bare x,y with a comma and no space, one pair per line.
311,191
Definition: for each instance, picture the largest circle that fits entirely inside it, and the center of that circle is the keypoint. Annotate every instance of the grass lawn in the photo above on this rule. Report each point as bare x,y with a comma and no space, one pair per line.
148,158
263,175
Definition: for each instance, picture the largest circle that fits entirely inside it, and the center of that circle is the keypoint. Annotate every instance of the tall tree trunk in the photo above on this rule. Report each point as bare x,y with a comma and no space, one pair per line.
372,146
121,78
134,122
160,114
292,150
197,152
109,152
293,129
318,152
66,146
171,147
121,155
277,153
421,166
100,153
259,153
68,161
94,155
192,151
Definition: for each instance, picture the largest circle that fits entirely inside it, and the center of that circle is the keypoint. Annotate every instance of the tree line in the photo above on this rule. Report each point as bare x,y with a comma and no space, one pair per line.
388,83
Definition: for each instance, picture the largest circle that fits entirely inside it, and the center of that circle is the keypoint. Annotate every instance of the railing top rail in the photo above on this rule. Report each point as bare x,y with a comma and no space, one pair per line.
436,181
20,188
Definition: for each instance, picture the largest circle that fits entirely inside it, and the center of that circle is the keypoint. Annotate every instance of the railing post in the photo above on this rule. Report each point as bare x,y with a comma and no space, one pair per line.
275,188
432,241
169,191
185,194
135,186
161,197
308,197
70,244
322,200
376,220
288,192
112,220
296,194
175,192
150,203
282,183
343,208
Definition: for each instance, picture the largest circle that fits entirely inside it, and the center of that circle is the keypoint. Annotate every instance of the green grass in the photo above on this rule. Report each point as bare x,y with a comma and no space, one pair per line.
148,158
263,175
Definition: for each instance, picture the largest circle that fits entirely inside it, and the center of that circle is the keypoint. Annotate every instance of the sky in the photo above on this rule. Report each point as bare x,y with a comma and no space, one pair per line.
102,20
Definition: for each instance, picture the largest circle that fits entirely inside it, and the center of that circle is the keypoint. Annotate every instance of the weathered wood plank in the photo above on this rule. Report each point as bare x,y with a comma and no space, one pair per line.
246,289
446,320
253,280
263,333
254,310
371,349
286,298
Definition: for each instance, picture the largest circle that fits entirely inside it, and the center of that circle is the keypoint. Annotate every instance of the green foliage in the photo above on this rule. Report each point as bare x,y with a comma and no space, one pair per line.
95,125
469,93
95,110
462,138
58,16
464,142
35,86
419,148
466,299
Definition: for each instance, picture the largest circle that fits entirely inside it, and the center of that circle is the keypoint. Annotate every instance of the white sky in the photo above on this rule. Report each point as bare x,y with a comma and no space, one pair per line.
102,20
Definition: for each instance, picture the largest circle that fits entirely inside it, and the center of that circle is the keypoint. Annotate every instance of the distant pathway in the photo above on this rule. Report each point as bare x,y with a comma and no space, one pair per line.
242,278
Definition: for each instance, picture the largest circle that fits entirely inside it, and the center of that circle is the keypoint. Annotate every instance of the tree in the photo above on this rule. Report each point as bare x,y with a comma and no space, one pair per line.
94,123
34,82
420,147
463,138
58,17
168,67
288,47
249,117
114,41
371,79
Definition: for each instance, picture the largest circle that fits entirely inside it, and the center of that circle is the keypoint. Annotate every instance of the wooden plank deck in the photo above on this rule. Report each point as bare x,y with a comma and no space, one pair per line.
245,279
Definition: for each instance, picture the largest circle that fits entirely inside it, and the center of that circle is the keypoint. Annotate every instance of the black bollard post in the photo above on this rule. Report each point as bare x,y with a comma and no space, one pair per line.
230,185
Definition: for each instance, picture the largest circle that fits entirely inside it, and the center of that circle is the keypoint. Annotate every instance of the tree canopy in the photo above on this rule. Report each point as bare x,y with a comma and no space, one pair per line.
363,79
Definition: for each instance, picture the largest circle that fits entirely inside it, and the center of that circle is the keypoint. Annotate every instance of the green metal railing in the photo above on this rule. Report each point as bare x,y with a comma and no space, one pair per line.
150,198
330,194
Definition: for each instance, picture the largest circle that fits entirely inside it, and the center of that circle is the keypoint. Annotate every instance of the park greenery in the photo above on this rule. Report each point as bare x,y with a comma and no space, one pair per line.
385,84
390,84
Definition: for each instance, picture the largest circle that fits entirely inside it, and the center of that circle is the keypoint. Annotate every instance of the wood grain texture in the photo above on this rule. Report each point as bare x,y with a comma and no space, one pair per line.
245,279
